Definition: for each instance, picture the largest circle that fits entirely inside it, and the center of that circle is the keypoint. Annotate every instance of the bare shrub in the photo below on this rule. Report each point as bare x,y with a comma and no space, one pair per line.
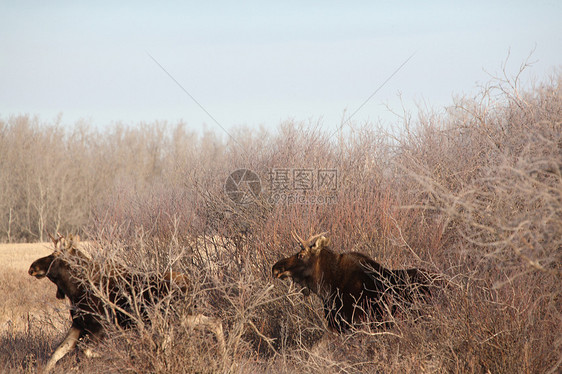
506,199
493,176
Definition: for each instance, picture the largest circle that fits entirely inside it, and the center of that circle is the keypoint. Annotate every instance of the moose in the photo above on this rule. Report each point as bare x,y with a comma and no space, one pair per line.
351,285
80,280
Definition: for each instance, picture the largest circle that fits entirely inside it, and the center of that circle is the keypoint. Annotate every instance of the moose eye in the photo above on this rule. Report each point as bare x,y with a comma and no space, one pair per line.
301,255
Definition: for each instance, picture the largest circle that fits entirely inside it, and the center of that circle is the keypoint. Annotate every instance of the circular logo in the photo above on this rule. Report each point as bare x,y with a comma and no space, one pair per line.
243,186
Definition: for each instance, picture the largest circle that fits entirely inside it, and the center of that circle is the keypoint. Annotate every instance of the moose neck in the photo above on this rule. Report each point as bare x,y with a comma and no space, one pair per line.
324,277
63,275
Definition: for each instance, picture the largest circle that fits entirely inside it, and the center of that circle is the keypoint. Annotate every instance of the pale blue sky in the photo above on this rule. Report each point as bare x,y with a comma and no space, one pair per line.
258,63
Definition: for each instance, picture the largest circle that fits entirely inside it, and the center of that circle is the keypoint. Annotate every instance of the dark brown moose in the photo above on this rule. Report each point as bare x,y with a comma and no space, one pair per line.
81,281
351,285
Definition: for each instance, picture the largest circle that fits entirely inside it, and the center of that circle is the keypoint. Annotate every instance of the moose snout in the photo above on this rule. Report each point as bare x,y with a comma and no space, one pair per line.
279,272
35,271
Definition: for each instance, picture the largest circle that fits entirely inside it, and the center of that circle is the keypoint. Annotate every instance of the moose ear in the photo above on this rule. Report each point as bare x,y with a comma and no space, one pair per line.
70,243
67,242
321,243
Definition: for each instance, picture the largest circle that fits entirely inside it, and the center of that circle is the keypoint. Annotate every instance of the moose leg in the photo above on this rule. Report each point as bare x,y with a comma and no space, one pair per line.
212,323
331,316
96,335
338,319
66,346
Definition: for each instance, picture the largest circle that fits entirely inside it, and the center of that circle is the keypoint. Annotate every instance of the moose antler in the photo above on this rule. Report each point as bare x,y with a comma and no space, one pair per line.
298,238
310,241
57,240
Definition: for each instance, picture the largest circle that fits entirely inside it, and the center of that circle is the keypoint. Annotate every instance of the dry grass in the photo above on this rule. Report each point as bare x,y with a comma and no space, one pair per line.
22,295
19,256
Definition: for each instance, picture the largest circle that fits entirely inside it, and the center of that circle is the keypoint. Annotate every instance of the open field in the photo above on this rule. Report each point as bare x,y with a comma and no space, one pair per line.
18,256
23,297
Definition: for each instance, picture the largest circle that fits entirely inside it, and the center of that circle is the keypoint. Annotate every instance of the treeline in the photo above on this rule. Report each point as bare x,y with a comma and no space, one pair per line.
53,176
56,177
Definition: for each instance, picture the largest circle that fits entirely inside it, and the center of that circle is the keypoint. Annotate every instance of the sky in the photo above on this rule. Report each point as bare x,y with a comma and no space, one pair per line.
219,65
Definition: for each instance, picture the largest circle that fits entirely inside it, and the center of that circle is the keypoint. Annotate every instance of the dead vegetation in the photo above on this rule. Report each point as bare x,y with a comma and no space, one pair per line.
474,194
